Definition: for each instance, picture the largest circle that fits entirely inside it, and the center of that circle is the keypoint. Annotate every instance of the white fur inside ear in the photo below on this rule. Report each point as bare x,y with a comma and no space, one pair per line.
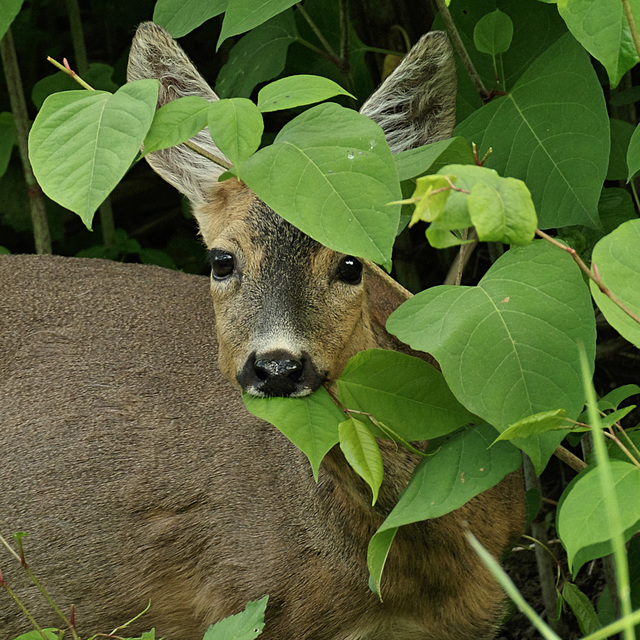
155,54
416,104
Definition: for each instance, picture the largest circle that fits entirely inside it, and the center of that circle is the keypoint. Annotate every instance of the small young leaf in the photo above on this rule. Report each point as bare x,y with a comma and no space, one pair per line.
246,625
613,399
311,423
504,213
429,205
296,91
582,608
236,126
362,453
493,33
176,122
536,424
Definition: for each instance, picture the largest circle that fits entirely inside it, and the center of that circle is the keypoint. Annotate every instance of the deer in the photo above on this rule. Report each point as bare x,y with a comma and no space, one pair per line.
129,456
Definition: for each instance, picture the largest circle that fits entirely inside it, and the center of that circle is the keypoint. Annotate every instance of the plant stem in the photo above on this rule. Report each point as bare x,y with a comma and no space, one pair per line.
591,274
77,36
632,25
19,108
344,37
319,35
210,156
460,48
71,73
570,459
543,561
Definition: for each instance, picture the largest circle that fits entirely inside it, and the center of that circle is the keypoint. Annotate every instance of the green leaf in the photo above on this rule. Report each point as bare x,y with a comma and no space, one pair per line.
613,399
633,153
552,132
362,453
504,213
10,9
245,625
7,139
335,177
601,27
236,127
311,423
536,424
242,15
180,17
617,259
493,33
583,523
296,91
83,142
257,57
429,205
507,347
432,157
582,608
176,122
463,467
405,393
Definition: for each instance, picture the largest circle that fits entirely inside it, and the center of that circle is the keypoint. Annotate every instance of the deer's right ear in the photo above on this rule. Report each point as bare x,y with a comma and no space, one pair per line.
155,54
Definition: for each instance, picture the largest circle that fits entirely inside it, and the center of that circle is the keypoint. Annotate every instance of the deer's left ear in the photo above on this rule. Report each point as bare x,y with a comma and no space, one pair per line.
416,104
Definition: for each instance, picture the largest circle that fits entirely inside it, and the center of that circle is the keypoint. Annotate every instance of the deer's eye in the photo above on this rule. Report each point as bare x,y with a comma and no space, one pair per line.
222,263
350,270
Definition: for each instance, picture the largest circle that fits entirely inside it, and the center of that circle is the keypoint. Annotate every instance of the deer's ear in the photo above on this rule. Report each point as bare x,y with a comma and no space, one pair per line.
155,54
416,104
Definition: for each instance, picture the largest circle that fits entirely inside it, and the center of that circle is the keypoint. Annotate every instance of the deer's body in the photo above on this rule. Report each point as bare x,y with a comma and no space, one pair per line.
132,461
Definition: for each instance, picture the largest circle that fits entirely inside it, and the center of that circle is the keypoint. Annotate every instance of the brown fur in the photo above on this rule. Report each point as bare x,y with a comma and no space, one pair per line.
131,459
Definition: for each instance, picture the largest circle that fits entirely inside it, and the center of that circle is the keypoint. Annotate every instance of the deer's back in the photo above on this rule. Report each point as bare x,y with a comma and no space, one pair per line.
136,467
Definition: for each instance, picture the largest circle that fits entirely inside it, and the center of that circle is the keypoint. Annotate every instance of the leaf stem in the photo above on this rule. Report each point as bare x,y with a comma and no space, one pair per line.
462,51
570,458
592,274
210,156
319,35
65,68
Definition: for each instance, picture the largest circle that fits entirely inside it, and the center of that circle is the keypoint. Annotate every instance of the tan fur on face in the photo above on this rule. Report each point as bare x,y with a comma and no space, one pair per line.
322,317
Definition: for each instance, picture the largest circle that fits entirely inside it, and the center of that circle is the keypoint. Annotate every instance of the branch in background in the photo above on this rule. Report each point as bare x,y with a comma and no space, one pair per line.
37,205
325,43
345,65
592,274
460,48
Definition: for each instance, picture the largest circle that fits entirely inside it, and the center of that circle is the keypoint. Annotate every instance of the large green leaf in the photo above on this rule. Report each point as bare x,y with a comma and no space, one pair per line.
311,423
432,157
507,347
464,466
602,29
552,131
9,9
180,17
334,181
83,142
405,393
258,56
583,523
633,153
617,258
242,15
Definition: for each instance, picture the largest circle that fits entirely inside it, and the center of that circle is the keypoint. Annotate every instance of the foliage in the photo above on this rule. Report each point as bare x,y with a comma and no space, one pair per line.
509,342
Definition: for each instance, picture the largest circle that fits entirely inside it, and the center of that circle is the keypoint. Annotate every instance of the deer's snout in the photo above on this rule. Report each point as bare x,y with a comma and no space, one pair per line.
280,373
